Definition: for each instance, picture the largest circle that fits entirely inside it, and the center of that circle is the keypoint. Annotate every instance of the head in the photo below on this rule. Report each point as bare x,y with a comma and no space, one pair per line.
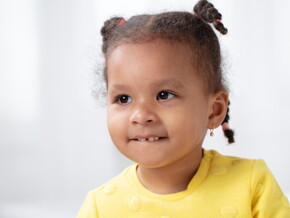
164,78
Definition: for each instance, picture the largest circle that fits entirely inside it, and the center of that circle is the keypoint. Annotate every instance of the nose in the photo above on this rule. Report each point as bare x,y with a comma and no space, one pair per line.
143,114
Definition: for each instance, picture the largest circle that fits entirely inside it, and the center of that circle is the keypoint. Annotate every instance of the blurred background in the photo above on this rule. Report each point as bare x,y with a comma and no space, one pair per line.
54,144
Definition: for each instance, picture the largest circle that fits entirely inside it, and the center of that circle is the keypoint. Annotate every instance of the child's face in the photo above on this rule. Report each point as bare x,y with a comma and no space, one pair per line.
158,111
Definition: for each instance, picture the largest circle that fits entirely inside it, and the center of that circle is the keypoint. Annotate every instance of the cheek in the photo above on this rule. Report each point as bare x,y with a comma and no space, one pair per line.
117,123
188,122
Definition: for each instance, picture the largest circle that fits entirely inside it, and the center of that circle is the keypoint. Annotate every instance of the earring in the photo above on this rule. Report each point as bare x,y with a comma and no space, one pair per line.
211,132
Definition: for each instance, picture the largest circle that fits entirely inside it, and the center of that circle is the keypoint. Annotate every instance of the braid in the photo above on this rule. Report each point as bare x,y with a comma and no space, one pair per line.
109,25
229,133
207,12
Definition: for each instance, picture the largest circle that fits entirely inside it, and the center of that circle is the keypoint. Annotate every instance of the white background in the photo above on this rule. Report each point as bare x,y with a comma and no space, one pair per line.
54,144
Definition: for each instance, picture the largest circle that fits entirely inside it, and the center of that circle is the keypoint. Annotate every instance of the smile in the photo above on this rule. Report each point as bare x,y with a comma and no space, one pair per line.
150,139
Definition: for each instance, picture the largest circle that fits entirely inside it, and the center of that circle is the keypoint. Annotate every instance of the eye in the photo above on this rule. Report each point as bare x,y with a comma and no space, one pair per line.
123,99
164,95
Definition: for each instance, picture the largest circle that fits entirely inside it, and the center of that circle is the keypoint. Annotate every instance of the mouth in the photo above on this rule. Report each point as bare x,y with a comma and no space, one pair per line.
148,139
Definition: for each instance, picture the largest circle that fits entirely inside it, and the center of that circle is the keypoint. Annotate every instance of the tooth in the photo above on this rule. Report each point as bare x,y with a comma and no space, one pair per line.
142,139
156,138
151,139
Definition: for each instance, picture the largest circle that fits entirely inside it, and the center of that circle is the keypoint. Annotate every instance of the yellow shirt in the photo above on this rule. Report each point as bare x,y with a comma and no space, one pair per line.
223,186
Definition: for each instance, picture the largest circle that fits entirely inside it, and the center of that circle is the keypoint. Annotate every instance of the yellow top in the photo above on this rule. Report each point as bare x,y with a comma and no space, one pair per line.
222,187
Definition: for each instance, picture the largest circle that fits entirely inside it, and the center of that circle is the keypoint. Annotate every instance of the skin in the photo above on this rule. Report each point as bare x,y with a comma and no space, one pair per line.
153,92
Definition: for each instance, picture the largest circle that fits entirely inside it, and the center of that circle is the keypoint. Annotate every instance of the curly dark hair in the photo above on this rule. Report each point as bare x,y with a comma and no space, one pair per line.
193,29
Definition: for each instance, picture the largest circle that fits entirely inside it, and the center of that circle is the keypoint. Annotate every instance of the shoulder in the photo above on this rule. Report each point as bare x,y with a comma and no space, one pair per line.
99,201
235,172
120,181
230,162
252,167
251,181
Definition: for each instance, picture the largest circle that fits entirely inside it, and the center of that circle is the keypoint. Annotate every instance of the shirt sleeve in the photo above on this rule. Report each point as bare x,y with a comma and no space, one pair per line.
89,207
268,199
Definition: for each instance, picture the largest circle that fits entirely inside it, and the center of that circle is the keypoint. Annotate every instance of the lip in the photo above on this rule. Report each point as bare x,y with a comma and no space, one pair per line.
144,136
148,138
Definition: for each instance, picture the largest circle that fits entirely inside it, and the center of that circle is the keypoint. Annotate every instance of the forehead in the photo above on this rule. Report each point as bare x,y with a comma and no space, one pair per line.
168,49
159,56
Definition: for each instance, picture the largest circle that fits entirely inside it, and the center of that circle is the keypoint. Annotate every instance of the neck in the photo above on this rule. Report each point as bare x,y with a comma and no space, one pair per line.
171,178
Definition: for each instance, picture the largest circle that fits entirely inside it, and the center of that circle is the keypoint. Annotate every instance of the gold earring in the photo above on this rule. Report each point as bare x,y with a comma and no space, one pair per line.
211,132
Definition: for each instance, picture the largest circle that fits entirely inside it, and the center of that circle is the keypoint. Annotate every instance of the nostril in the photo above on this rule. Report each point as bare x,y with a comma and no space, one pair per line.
142,116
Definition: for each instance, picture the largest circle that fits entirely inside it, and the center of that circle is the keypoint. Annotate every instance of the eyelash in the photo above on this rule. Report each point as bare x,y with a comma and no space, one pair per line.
167,92
118,99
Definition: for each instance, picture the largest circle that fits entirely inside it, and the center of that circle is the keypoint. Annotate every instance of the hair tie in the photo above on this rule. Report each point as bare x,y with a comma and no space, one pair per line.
197,15
122,21
225,126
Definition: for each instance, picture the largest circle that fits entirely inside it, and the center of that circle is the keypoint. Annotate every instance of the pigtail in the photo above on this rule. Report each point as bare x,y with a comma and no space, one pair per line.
229,133
207,12
108,27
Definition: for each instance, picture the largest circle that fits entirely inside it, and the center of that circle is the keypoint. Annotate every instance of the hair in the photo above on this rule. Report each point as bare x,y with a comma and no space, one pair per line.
191,29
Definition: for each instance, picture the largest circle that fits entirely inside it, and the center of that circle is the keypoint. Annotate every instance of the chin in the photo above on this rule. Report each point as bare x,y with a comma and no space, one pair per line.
152,163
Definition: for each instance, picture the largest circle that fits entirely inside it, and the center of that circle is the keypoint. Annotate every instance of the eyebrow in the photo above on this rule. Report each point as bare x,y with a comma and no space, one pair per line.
119,87
161,83
169,82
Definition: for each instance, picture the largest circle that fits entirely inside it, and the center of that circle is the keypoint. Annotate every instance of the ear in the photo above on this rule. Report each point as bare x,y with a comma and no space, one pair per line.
218,109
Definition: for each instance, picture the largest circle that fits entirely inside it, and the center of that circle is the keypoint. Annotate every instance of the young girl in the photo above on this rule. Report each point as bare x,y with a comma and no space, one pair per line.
165,89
